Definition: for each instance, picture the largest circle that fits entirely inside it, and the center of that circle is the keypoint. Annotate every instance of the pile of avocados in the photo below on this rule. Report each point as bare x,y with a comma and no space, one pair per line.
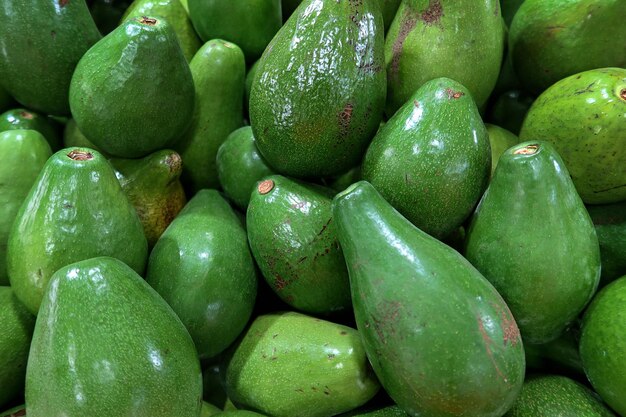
313,208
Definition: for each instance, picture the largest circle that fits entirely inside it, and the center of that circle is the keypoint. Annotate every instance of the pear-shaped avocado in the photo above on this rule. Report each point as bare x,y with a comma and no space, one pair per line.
610,223
29,120
509,109
153,187
240,166
294,241
107,345
553,39
73,137
432,159
75,210
458,39
583,116
318,95
534,241
16,328
175,14
41,42
202,266
500,140
251,24
603,344
132,93
289,364
23,154
439,336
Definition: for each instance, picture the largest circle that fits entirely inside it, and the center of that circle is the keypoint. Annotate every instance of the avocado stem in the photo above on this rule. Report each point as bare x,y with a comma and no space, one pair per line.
265,187
77,155
145,20
527,150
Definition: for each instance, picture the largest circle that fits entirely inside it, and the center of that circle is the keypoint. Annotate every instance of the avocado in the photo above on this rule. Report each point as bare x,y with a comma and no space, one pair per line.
583,117
509,8
29,120
208,410
509,109
439,337
293,237
107,345
610,223
388,411
458,39
341,182
23,154
132,93
213,390
75,210
239,413
41,42
73,137
500,140
290,364
532,238
18,411
248,86
389,9
432,159
602,340
319,90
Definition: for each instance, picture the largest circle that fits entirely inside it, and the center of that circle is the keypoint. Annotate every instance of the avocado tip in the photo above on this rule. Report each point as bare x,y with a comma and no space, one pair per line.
78,155
527,150
265,187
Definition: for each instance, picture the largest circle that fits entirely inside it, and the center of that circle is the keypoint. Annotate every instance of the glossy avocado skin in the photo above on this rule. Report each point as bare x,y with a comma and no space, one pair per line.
203,268
108,345
132,93
432,159
218,70
75,210
23,155
25,119
289,364
610,223
458,39
553,395
500,140
602,342
516,240
16,328
583,117
439,336
293,237
41,41
553,39
319,91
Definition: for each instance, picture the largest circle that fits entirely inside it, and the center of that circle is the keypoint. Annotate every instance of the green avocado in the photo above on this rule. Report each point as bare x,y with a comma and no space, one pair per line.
248,86
603,344
106,344
73,137
132,93
509,109
238,413
319,90
500,140
610,223
439,337
289,364
202,266
389,9
18,411
432,159
583,116
388,411
29,120
75,210
208,409
23,154
293,237
458,39
509,8
532,238
41,42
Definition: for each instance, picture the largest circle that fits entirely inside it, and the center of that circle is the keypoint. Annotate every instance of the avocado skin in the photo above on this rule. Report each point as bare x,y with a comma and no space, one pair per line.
509,109
23,155
29,120
552,39
500,140
208,409
105,334
389,411
602,344
610,223
458,39
554,395
583,117
432,159
132,93
319,91
75,210
389,9
41,41
203,268
73,137
238,413
509,8
16,328
438,335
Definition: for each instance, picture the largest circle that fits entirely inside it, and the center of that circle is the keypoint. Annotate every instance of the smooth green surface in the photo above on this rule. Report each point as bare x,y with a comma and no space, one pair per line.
293,238
23,154
319,91
509,110
532,238
439,336
289,364
583,116
203,268
132,93
432,159
218,70
610,223
29,120
75,210
106,344
41,42
458,39
500,140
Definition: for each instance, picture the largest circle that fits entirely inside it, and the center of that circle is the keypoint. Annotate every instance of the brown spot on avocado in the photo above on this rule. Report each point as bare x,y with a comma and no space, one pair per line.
265,187
78,155
407,24
526,150
150,21
27,115
454,94
345,117
487,340
622,94
433,12
19,413
63,3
